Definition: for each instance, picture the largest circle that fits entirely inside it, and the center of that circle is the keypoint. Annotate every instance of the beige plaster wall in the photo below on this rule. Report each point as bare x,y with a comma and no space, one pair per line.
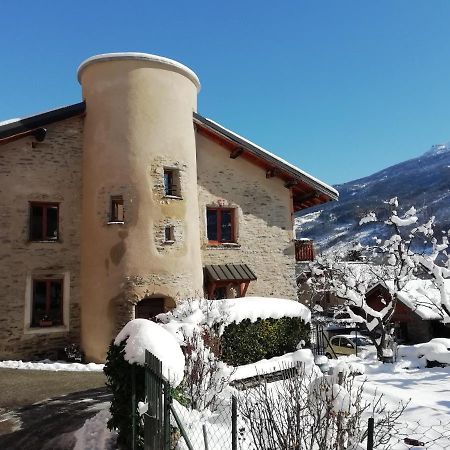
50,172
264,220
139,120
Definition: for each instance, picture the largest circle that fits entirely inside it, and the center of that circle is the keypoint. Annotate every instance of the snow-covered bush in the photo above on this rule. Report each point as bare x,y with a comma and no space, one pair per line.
125,359
310,412
247,342
119,375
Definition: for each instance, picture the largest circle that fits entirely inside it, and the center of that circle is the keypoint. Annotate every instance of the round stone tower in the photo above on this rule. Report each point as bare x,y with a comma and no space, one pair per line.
140,215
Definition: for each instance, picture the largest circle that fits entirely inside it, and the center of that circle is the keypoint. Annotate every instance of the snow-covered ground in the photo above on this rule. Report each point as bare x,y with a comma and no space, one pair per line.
426,391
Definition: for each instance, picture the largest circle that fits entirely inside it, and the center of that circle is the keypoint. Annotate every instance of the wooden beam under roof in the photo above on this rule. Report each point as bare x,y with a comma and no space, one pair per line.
236,152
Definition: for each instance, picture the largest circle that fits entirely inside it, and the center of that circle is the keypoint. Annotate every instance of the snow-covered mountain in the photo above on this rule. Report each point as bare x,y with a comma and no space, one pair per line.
422,182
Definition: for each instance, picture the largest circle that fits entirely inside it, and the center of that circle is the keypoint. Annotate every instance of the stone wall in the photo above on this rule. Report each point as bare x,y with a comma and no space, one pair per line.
46,172
263,214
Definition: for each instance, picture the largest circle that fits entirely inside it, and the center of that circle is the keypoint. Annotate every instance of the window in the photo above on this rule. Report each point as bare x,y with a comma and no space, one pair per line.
172,183
169,233
47,303
44,219
220,225
117,210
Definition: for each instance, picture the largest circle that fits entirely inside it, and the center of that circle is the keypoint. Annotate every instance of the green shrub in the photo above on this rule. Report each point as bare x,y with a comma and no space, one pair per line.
247,342
119,380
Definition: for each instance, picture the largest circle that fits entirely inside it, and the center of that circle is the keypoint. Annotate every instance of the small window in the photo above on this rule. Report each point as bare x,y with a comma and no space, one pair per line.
172,183
220,225
44,218
47,307
117,210
169,233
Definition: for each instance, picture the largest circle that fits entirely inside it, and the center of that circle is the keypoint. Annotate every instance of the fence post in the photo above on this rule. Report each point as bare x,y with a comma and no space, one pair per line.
205,437
370,429
167,402
133,407
233,423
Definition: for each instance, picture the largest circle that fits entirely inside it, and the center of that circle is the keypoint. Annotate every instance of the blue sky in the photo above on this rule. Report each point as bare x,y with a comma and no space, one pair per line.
340,88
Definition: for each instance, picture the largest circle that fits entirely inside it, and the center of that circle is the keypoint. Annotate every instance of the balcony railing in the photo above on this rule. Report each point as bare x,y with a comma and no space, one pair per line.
304,250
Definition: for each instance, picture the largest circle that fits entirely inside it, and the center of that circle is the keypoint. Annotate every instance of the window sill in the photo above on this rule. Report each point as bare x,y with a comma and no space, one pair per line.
44,241
168,242
115,223
224,245
175,197
46,330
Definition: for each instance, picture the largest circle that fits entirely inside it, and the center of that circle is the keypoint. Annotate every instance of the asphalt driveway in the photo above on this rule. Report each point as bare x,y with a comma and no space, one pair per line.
41,409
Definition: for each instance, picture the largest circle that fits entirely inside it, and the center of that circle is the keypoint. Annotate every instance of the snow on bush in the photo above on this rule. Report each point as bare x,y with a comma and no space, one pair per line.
191,314
143,334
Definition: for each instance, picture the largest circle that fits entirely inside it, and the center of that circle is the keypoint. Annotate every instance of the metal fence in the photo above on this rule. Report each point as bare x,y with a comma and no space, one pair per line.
167,424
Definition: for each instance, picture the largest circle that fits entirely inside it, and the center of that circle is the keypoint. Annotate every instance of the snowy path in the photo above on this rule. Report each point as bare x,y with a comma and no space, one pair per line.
50,424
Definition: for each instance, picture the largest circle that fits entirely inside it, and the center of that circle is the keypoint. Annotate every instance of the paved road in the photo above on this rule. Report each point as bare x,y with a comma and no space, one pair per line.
47,424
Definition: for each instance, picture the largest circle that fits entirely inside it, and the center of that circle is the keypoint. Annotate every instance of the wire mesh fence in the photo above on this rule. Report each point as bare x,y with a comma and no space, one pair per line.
212,429
425,433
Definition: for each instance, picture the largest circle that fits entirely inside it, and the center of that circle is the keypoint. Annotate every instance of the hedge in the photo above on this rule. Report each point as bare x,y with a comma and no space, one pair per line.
119,380
247,342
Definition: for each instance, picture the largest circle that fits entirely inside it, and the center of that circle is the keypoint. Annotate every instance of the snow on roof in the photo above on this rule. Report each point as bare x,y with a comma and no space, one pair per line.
422,297
143,334
300,172
143,57
8,121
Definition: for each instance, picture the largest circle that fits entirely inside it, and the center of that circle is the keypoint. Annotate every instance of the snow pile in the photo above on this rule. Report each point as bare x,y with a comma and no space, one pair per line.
189,316
436,350
348,365
94,434
52,366
143,334
275,364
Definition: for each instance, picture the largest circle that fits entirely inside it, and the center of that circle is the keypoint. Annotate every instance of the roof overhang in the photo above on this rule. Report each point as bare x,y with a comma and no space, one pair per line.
306,190
229,273
27,126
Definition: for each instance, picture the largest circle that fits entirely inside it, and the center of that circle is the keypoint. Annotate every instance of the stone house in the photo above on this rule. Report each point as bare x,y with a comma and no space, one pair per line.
121,205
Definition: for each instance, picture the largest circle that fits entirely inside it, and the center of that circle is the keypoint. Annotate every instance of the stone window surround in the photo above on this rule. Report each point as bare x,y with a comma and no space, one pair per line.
65,276
176,187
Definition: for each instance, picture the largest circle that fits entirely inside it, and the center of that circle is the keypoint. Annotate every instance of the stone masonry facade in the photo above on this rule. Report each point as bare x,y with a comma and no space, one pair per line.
263,219
41,172
51,171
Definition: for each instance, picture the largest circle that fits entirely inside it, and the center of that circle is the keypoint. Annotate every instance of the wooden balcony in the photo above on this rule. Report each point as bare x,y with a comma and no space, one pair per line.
304,250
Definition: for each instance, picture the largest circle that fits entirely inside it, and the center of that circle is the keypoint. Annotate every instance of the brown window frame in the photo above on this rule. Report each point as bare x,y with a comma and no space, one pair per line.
219,240
44,206
37,323
117,200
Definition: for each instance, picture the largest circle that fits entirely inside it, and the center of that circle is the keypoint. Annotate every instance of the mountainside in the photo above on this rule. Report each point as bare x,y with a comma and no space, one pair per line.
422,182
